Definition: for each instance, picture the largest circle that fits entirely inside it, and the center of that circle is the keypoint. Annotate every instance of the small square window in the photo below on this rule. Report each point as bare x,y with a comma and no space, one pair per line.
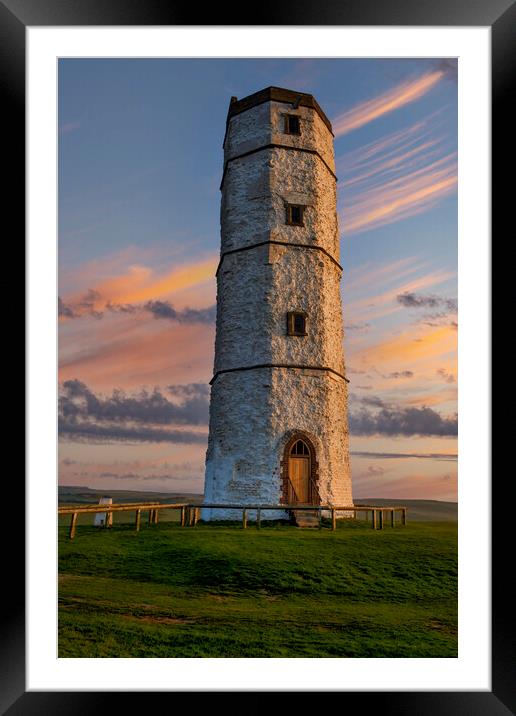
296,323
292,125
294,214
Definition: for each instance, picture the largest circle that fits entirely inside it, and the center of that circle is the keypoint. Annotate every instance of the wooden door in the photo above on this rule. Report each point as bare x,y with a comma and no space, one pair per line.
299,468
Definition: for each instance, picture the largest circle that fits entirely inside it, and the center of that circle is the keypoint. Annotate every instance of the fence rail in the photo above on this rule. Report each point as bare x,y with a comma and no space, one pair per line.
190,513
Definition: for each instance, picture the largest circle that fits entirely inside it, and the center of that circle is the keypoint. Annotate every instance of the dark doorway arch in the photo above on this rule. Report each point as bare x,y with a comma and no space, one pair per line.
299,471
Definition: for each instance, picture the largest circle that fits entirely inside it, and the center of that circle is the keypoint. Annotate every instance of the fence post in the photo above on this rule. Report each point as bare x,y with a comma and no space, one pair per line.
244,518
151,514
320,518
258,518
182,516
73,523
381,519
137,520
374,518
404,516
392,518
333,519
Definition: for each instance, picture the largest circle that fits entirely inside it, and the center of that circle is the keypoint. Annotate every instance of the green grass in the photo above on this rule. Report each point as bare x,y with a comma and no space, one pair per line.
220,591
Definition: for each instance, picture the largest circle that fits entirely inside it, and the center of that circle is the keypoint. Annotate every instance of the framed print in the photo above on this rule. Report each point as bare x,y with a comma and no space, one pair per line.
38,38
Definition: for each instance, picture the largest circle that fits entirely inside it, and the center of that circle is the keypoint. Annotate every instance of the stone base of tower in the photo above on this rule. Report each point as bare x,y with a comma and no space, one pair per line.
250,443
233,481
209,514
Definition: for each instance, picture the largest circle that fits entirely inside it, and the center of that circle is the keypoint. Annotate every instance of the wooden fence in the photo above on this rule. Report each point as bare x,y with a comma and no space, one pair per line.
190,513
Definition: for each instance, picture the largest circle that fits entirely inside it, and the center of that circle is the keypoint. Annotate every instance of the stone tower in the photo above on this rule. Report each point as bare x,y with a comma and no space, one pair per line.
278,413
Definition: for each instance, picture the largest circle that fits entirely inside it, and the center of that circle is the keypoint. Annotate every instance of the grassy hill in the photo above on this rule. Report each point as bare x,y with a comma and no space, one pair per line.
220,591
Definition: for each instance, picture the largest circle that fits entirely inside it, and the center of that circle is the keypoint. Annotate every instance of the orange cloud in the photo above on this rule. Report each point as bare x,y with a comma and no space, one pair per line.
128,352
415,350
140,283
84,276
430,399
404,93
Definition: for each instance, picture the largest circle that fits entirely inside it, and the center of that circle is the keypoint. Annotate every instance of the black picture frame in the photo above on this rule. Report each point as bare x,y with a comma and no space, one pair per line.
500,16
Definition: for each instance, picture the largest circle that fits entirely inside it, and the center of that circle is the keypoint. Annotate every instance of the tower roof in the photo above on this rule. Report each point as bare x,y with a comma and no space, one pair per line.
276,94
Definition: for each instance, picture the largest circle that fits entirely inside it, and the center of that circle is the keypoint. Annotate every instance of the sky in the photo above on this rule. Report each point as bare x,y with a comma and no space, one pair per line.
140,163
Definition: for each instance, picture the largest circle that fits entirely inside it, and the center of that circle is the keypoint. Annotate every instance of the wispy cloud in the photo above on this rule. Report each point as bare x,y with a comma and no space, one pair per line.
142,284
401,175
401,455
379,305
157,325
361,277
402,94
410,194
100,434
432,398
384,166
131,350
386,146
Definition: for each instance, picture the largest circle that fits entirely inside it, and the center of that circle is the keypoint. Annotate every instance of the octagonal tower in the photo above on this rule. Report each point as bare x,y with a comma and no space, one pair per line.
278,428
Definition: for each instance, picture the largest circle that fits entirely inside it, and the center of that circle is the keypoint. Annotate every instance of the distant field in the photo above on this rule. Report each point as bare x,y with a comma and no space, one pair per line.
418,510
82,496
220,591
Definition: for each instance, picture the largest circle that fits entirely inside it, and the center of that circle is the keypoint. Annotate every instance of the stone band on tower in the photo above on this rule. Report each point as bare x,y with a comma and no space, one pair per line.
278,413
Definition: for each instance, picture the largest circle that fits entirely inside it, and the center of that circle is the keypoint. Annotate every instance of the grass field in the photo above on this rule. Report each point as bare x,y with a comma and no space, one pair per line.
220,591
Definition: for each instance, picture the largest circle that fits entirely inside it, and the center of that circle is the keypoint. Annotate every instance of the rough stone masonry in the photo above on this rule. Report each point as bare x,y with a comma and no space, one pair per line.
279,374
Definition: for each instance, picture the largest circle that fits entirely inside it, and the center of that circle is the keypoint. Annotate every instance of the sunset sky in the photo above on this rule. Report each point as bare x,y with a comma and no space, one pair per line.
140,163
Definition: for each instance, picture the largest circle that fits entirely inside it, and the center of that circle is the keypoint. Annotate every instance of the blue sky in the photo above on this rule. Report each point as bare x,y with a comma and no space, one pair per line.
140,163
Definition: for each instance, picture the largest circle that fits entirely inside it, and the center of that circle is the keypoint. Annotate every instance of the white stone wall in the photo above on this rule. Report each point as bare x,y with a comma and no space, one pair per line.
241,465
248,435
253,413
243,310
313,402
256,289
264,124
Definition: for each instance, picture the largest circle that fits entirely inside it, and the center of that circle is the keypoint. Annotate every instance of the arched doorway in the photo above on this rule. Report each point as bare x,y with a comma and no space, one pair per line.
299,469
